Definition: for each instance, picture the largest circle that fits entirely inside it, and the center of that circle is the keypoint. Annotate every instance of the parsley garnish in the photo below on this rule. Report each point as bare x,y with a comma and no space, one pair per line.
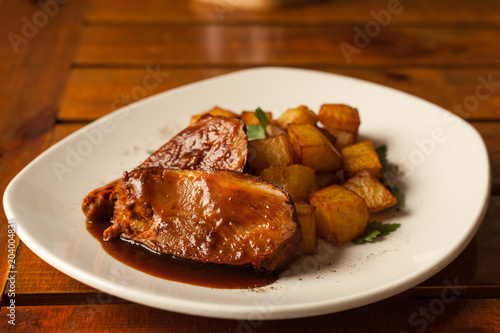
375,230
397,193
382,155
258,131
255,132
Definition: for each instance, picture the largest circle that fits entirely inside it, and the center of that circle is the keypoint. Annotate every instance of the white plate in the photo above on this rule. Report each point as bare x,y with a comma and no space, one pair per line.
445,181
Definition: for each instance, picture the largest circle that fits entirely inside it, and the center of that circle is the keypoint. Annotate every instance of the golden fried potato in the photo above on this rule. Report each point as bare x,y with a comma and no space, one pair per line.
328,135
344,139
341,215
249,118
339,117
297,179
325,179
377,196
299,115
274,130
215,111
273,151
313,149
307,219
361,156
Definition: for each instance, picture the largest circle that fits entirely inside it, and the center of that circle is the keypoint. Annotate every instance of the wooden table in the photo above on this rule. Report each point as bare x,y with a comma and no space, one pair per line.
62,66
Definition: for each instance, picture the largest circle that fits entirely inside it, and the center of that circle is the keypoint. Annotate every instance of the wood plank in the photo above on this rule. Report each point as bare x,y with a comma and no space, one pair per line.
37,60
217,45
94,92
489,132
461,315
67,298
450,89
333,12
63,130
35,276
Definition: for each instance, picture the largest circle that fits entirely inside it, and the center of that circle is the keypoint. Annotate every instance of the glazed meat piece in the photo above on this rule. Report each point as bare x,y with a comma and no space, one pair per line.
213,142
99,204
213,216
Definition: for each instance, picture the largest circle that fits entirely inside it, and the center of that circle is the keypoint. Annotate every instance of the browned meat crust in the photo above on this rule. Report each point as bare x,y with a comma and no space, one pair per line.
99,204
213,142
220,217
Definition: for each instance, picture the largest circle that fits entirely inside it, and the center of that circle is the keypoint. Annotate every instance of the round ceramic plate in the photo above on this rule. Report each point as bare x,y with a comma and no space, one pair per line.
435,153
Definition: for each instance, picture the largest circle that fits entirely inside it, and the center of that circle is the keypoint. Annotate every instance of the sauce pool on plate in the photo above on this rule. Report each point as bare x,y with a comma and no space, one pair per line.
179,270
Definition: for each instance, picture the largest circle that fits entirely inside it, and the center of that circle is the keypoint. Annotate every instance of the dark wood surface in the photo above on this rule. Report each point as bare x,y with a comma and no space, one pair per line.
76,66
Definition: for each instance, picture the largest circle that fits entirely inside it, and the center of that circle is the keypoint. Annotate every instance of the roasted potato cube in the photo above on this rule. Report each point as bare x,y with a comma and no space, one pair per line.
307,219
297,179
344,139
313,149
215,111
249,118
275,151
339,117
328,135
325,179
274,130
361,156
341,215
377,196
299,115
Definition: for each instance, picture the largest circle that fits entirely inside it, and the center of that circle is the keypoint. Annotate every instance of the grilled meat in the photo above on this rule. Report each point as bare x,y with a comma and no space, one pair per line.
99,204
211,216
213,142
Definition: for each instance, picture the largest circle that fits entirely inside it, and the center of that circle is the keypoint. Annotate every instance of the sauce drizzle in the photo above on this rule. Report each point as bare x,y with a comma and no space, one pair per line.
180,270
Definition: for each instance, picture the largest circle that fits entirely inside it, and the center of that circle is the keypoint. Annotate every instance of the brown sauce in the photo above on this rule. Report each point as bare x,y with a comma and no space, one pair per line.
179,270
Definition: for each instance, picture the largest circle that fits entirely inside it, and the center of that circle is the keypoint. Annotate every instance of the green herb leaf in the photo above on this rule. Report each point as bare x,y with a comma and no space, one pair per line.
258,131
255,132
375,230
382,155
367,237
261,115
397,193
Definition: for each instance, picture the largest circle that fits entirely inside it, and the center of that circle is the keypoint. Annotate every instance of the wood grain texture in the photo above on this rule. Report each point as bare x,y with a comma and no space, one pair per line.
335,12
33,68
93,92
459,315
489,132
48,279
254,45
61,131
